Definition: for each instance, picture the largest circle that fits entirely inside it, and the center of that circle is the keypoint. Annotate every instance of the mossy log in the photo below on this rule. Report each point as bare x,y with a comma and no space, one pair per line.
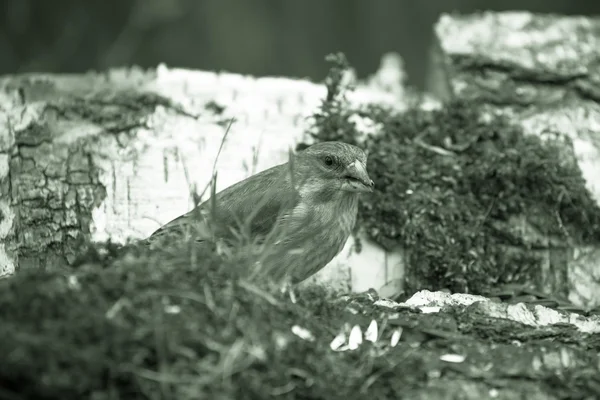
543,72
112,156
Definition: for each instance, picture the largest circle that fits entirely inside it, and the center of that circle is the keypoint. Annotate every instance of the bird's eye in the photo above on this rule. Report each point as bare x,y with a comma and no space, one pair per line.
328,160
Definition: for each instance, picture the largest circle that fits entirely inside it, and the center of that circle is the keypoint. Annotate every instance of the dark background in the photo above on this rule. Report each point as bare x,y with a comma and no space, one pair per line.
257,37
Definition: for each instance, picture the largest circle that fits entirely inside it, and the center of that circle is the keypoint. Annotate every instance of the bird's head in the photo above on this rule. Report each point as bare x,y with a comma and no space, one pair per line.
333,166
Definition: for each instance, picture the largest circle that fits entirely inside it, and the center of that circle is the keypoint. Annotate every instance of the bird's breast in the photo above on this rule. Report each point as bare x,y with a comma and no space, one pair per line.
318,232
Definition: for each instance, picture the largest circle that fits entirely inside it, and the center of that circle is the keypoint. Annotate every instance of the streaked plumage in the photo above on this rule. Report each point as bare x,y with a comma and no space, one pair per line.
302,211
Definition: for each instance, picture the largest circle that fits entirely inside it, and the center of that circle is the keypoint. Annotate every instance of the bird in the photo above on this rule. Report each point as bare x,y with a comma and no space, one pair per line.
297,215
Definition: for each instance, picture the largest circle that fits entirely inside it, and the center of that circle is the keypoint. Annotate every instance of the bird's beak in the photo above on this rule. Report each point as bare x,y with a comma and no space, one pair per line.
356,178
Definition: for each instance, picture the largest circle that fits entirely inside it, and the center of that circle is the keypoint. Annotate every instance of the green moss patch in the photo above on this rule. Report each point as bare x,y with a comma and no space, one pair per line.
179,324
451,185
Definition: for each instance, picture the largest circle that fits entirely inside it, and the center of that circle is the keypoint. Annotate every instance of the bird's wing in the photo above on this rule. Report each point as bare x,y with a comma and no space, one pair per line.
263,197
192,224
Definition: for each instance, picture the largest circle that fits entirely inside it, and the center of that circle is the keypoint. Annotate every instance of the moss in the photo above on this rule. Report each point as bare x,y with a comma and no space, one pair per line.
450,184
138,325
179,324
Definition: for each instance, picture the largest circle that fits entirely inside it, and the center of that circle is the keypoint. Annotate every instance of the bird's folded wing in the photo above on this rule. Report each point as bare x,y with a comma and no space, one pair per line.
193,224
257,201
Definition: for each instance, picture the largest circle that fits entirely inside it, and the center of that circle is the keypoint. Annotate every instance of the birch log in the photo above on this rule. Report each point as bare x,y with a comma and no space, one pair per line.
112,155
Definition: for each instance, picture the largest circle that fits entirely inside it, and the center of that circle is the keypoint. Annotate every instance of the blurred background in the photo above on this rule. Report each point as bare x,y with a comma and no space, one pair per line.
257,37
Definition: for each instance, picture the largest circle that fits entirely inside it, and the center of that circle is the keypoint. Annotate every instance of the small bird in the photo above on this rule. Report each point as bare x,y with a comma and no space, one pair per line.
300,212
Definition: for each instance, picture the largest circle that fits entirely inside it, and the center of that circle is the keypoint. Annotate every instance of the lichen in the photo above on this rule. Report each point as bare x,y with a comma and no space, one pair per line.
450,184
